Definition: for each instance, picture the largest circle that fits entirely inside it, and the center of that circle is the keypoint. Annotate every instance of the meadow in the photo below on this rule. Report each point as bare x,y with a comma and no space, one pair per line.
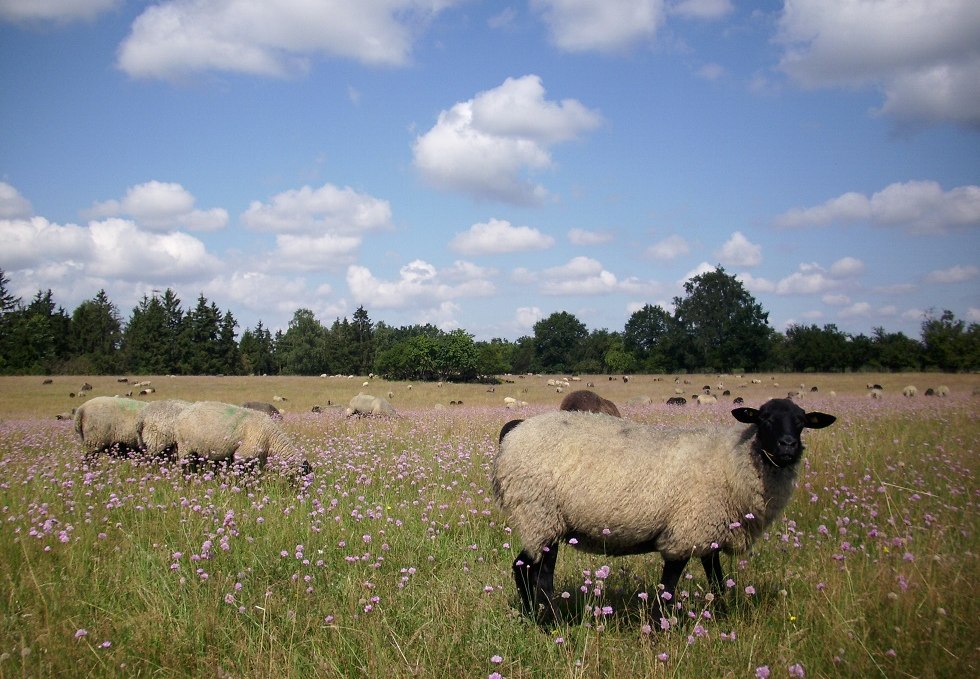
392,559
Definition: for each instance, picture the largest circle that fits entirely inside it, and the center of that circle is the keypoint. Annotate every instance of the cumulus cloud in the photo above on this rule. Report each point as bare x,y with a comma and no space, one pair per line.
583,237
526,316
161,206
316,211
58,11
923,55
610,26
738,251
954,274
578,276
701,9
418,283
310,253
12,204
498,236
856,310
917,206
754,284
484,146
813,279
669,248
113,248
275,295
176,38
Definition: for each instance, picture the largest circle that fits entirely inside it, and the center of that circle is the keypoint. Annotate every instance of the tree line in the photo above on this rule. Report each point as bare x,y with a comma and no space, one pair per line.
715,326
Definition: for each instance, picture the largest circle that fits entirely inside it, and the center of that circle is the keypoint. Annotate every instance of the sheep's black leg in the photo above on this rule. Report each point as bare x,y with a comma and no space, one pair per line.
535,581
526,576
712,569
671,576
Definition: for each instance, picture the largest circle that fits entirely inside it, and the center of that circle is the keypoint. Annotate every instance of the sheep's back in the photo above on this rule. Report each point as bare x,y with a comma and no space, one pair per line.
613,485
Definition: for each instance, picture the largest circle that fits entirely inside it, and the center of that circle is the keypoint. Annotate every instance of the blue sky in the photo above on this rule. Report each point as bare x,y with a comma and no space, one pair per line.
481,165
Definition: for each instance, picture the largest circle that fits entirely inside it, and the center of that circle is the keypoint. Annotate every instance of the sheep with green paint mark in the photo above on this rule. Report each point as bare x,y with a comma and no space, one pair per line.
108,424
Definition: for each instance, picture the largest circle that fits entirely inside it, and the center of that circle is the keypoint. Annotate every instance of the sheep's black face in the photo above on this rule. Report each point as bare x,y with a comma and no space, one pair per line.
780,422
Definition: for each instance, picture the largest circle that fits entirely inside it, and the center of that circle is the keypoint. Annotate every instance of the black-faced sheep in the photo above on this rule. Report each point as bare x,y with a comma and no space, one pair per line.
611,486
108,424
156,426
221,432
589,401
676,401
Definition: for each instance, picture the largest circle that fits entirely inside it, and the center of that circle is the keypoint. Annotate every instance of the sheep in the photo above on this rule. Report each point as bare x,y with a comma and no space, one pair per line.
589,401
155,427
264,407
942,391
705,399
676,401
224,433
364,404
615,487
909,391
108,424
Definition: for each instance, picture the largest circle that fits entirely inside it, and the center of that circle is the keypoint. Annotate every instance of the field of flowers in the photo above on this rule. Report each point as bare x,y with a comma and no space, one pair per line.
392,559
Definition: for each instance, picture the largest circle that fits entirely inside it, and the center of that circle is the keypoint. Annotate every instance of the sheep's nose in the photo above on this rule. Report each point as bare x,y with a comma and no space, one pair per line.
787,441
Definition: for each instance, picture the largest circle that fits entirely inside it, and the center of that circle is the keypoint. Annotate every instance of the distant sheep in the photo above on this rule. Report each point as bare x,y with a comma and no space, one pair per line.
616,487
108,424
220,432
156,427
676,401
364,404
706,399
942,391
264,407
589,401
909,391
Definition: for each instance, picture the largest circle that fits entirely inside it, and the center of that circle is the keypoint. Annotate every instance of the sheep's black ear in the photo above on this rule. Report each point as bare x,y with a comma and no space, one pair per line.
746,415
506,429
819,420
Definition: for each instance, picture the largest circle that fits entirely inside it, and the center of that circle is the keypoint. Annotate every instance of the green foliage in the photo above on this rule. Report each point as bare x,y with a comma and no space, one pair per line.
558,342
716,326
724,328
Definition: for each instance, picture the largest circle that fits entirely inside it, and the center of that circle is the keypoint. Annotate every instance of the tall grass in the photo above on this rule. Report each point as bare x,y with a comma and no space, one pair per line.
394,561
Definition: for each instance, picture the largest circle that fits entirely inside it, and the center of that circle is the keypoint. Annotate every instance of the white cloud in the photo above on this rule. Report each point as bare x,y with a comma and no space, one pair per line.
608,26
12,204
113,248
711,71
954,274
756,285
310,253
497,237
526,316
61,11
738,251
419,283
701,268
917,206
161,206
701,9
856,310
588,238
272,296
579,276
484,146
669,248
835,300
810,279
175,38
922,53
973,314
322,210
847,267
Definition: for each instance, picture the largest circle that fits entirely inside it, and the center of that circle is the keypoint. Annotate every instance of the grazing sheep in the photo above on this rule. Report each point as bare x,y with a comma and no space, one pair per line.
876,394
108,424
155,427
616,487
47,381
676,401
909,391
589,401
705,399
221,432
263,407
364,404
942,391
